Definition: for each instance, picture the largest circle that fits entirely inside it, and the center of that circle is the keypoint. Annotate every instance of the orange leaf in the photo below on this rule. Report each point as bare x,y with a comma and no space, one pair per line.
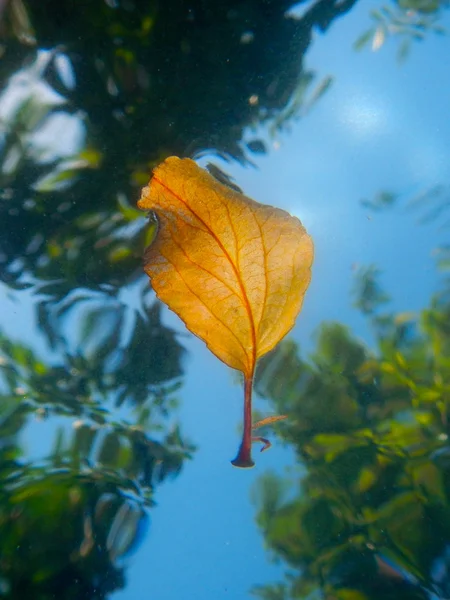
268,421
234,270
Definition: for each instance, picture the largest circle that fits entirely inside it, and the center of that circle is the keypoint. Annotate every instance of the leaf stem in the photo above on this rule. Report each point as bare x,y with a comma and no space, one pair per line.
244,456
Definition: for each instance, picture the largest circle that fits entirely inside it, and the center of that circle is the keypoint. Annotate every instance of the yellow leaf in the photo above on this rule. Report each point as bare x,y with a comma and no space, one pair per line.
234,270
268,421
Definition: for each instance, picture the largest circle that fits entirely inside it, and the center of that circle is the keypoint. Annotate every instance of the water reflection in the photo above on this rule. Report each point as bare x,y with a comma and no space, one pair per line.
91,100
71,210
69,517
370,518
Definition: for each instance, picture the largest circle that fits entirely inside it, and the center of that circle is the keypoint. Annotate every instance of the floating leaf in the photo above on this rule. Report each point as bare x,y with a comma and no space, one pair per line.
234,270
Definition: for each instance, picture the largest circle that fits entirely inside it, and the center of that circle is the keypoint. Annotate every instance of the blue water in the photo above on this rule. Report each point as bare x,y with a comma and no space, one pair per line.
381,126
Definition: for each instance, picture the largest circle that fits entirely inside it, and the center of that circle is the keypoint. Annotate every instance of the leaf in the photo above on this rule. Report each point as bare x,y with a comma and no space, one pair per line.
379,38
363,40
257,146
235,271
268,421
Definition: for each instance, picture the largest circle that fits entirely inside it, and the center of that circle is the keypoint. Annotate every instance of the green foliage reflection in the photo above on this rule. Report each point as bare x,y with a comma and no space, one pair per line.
370,518
407,21
68,516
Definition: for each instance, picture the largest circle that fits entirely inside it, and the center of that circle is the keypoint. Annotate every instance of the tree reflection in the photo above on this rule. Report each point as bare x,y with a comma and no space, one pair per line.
90,101
370,518
431,206
142,80
408,21
67,517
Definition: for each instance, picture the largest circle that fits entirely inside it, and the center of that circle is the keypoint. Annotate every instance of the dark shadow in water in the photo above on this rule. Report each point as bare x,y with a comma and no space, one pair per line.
145,80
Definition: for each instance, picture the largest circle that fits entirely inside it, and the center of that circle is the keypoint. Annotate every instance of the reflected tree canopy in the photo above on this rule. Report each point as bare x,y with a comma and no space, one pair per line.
369,517
70,515
92,97
430,206
134,82
407,21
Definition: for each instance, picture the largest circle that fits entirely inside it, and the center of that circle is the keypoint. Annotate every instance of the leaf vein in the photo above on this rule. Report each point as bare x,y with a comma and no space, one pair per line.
204,304
233,266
